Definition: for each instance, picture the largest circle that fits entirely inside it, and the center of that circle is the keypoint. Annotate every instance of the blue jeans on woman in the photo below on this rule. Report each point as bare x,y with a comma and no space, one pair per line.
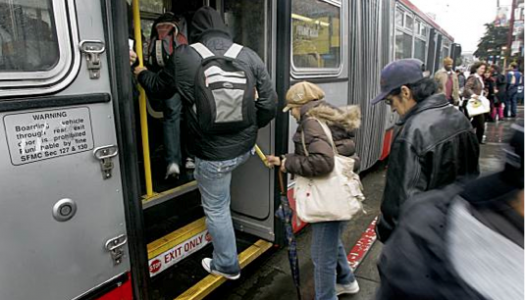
214,180
329,258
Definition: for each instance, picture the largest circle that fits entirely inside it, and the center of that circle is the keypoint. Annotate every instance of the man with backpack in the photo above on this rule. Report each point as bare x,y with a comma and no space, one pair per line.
218,82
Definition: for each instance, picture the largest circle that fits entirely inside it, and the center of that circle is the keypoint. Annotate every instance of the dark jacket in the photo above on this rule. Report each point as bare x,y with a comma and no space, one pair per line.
433,146
320,160
179,75
501,86
416,263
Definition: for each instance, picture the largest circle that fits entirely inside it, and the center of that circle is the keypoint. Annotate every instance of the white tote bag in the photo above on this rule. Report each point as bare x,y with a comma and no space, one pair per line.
333,197
478,107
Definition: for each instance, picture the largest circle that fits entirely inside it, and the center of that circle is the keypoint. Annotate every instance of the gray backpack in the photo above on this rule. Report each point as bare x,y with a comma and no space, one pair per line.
224,92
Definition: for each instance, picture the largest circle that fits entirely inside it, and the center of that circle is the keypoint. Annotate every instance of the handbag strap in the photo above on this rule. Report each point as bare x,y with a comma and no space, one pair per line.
328,134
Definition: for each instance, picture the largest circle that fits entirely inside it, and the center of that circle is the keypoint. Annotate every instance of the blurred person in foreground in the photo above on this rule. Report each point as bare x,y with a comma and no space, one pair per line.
461,242
433,145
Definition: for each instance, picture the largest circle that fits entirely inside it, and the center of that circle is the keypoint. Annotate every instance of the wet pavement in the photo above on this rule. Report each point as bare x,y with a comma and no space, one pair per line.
269,277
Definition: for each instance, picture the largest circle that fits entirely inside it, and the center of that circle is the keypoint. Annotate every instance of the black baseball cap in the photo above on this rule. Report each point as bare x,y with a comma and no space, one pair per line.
398,73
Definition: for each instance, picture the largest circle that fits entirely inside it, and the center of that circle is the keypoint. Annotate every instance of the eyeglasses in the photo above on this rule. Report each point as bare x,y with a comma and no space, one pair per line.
388,101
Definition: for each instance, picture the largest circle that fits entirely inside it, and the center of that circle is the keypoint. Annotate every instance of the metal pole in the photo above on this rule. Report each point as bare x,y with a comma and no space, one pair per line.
142,102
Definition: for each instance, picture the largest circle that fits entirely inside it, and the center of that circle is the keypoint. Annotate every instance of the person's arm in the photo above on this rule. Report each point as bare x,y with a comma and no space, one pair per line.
160,85
266,105
455,91
320,159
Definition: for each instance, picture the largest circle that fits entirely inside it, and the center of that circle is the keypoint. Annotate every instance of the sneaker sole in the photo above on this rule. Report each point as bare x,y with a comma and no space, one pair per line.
230,277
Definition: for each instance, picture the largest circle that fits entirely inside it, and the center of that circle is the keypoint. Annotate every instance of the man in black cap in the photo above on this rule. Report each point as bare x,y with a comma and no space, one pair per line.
461,242
433,145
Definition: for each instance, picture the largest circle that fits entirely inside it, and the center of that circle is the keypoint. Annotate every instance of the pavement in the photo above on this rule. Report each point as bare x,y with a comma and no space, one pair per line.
269,277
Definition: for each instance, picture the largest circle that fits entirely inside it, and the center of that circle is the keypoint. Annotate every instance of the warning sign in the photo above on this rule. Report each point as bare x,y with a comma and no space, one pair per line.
43,135
175,254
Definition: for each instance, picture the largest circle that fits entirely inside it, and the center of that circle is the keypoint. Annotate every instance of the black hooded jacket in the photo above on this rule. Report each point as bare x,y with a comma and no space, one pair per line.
179,76
434,146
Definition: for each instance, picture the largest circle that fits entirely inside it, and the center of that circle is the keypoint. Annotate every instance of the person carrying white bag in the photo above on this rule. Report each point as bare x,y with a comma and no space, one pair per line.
327,189
476,105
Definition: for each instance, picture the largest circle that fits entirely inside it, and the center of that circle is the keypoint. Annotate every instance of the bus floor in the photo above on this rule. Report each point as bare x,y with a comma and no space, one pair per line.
268,278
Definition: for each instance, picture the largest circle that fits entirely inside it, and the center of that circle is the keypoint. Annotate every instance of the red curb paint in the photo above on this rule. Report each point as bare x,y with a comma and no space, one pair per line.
363,245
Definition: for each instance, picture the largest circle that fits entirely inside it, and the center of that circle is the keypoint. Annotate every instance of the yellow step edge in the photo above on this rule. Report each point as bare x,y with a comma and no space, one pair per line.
175,238
171,191
204,287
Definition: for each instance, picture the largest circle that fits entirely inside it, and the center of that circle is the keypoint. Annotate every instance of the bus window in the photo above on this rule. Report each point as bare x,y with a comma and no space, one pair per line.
28,40
246,22
403,45
316,35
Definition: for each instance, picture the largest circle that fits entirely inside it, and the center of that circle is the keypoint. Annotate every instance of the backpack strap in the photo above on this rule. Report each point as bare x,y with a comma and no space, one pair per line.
203,51
234,50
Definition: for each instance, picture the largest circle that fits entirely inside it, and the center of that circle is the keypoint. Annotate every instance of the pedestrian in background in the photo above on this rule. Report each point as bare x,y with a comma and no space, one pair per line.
433,144
501,92
490,91
514,84
461,80
314,157
474,88
448,82
461,242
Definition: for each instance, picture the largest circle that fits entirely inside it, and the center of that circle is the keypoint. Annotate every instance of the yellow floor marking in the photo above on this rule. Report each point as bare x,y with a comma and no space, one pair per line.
177,237
204,287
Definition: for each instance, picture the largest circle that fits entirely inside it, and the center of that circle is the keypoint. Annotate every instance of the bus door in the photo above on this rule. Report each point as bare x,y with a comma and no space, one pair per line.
62,218
252,185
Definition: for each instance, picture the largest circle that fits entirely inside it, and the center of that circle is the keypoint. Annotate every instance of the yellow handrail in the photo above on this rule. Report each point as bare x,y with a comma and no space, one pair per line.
142,101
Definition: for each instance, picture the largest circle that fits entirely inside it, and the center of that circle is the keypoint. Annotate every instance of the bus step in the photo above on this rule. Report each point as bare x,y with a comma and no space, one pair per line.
212,282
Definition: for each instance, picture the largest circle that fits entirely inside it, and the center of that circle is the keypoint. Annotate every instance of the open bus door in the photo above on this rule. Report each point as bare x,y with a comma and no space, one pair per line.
62,216
174,219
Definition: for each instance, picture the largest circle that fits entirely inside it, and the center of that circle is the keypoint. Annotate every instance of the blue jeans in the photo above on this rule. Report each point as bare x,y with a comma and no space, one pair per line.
329,258
172,114
511,103
214,180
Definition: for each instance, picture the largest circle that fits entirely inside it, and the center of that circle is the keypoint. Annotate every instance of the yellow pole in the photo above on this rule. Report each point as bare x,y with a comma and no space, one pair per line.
261,155
142,102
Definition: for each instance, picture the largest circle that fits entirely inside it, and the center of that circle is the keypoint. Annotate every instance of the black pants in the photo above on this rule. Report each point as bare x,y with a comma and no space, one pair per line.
478,122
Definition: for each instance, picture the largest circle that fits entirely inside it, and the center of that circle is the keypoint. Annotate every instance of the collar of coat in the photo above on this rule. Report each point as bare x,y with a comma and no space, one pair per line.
432,102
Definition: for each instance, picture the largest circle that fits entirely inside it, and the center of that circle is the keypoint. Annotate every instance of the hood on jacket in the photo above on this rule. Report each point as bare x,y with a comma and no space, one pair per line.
347,117
207,21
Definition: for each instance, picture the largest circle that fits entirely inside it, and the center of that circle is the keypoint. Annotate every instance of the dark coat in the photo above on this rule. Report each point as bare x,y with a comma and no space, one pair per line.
414,264
434,146
320,160
179,76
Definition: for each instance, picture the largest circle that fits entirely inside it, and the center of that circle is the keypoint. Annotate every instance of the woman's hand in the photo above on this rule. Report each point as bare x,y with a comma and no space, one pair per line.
139,70
273,160
475,97
276,161
132,57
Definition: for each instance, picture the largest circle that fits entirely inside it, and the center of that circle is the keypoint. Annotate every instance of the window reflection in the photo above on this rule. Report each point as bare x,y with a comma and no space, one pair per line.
316,34
28,40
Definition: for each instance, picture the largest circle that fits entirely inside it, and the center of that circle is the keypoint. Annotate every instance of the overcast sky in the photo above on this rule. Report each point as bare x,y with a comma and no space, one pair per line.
463,19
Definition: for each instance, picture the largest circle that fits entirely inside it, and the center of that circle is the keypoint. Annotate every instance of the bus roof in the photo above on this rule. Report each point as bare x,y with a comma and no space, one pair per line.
426,18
